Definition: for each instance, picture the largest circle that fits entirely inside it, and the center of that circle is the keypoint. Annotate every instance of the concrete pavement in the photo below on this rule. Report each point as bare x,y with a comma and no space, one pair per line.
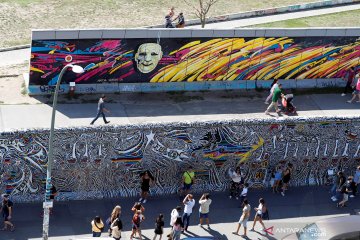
71,220
138,108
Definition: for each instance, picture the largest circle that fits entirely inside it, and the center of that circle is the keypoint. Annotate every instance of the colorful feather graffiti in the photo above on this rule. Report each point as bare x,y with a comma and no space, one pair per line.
219,59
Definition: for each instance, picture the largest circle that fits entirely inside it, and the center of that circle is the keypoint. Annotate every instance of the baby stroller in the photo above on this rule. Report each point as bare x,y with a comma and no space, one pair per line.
288,107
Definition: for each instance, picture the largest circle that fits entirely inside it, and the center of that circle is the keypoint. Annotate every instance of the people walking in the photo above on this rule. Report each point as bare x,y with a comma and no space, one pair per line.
260,210
349,80
345,190
204,210
136,221
277,94
236,182
189,203
357,179
146,180
116,227
181,20
244,192
188,180
352,186
286,178
159,226
168,22
339,182
244,217
101,110
277,179
6,212
97,226
115,214
274,85
175,214
176,229
356,92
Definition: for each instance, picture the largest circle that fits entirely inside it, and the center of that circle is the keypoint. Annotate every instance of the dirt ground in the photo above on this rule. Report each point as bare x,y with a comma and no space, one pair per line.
18,17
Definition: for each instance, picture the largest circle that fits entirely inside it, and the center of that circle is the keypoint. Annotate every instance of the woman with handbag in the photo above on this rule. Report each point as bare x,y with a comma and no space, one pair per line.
97,226
116,228
260,211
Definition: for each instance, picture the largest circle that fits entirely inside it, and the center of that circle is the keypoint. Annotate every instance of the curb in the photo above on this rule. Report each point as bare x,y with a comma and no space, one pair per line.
18,47
268,12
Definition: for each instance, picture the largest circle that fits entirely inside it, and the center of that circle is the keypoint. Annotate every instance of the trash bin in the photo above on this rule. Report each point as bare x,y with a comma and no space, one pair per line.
72,89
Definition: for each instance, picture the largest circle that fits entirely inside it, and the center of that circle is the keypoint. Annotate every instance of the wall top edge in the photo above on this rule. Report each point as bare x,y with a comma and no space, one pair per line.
129,33
252,121
188,29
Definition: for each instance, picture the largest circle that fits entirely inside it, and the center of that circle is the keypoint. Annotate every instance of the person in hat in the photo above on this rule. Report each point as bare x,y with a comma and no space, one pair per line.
6,212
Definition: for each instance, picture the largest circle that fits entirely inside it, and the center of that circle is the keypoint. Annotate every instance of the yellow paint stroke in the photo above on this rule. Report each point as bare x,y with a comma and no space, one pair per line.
36,70
246,156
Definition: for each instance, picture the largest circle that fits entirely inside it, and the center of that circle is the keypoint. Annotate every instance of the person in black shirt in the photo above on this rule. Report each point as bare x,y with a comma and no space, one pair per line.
345,190
6,212
159,226
146,180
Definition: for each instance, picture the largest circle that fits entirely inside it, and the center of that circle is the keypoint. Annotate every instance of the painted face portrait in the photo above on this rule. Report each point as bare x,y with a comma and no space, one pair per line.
148,57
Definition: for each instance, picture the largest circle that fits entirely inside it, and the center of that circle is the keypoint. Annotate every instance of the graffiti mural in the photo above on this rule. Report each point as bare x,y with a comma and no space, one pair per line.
190,60
106,162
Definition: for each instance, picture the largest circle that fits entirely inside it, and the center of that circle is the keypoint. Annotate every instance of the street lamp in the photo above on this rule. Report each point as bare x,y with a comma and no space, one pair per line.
47,203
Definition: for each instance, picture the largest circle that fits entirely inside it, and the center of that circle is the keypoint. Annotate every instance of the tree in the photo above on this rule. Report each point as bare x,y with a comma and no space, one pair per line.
202,10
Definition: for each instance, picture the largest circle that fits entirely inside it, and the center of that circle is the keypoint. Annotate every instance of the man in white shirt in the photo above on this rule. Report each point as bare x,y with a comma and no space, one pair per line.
189,203
175,213
204,202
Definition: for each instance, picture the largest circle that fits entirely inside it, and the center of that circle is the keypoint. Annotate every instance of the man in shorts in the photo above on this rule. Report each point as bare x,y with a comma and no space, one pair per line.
244,217
204,202
6,212
188,180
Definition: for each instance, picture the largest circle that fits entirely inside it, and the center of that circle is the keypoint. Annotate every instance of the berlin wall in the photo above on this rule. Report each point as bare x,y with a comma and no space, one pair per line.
145,60
105,162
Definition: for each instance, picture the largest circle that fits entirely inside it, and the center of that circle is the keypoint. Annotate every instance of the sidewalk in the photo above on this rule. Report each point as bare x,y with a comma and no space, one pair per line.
138,108
71,220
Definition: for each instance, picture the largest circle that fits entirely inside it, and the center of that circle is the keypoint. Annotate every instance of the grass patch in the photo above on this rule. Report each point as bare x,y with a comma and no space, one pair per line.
20,16
343,19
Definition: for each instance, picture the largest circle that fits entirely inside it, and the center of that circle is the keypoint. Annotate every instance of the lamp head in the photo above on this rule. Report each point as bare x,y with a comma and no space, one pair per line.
77,69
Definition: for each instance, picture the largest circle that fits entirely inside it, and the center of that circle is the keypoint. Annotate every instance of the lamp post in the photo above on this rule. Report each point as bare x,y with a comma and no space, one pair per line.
47,203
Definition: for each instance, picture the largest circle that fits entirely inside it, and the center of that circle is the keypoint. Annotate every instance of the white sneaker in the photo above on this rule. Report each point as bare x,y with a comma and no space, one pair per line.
348,101
140,199
144,201
352,196
230,197
283,194
334,199
267,103
343,94
237,198
267,113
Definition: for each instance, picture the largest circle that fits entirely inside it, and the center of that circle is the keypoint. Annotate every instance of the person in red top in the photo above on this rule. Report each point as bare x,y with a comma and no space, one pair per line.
350,78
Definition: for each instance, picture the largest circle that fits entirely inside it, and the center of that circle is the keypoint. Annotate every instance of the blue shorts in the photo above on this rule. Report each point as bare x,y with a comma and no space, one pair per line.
204,215
187,186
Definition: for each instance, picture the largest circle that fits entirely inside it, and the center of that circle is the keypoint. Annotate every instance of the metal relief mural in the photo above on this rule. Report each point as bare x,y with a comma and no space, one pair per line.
106,162
189,59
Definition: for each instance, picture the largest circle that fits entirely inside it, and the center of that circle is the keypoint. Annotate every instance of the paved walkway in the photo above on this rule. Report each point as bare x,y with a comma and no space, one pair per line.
277,17
71,220
138,108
